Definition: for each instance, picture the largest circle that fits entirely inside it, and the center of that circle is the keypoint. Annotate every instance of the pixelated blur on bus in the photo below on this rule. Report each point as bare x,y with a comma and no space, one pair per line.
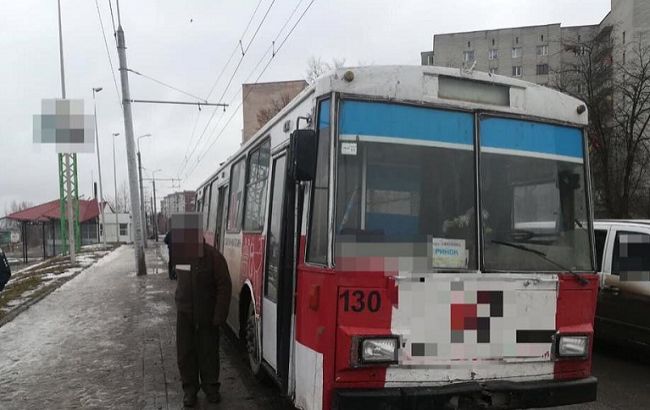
409,237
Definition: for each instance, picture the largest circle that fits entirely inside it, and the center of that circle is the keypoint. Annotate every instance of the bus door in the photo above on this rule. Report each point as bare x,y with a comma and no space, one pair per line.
271,302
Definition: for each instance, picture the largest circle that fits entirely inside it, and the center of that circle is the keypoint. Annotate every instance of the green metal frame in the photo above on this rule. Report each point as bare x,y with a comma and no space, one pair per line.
63,172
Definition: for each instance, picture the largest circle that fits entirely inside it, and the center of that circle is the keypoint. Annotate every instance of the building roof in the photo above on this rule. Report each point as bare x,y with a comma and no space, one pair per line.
48,211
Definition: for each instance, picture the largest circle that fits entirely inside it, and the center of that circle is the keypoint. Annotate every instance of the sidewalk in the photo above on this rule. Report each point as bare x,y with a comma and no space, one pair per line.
106,339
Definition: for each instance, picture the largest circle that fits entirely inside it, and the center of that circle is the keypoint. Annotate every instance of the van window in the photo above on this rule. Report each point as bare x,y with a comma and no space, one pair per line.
631,253
601,237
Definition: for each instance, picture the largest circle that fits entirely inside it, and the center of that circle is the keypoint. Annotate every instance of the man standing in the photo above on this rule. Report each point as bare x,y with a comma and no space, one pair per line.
203,300
170,265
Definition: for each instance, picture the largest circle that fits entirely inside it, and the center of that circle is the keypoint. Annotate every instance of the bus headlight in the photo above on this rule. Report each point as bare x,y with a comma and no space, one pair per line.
378,350
573,346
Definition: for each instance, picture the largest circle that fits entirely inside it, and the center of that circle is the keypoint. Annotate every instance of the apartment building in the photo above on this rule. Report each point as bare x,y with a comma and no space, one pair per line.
538,53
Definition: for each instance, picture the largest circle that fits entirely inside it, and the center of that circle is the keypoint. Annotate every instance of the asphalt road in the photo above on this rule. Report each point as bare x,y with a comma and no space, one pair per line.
623,380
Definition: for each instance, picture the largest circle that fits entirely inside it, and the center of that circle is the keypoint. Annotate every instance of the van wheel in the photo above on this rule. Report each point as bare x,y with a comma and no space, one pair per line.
252,339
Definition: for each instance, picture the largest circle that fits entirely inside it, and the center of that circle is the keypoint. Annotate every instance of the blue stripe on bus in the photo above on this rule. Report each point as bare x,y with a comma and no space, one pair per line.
403,121
518,135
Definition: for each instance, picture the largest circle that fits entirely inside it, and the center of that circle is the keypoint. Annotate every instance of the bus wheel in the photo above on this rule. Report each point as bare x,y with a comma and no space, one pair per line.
252,344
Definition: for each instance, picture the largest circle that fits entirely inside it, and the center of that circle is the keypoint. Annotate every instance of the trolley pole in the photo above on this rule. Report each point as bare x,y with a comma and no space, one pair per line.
130,151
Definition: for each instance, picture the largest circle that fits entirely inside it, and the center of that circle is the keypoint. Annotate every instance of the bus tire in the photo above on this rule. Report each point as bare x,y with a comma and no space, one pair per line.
252,343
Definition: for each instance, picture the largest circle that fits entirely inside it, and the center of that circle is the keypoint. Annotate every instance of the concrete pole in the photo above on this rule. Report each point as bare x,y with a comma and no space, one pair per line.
144,224
67,159
99,169
117,221
155,212
130,154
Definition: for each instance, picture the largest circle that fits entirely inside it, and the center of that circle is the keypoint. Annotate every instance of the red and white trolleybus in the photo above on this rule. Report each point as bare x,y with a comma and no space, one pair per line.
413,237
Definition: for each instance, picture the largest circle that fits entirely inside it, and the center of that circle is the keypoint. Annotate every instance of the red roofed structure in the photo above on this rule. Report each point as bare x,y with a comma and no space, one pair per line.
39,226
88,210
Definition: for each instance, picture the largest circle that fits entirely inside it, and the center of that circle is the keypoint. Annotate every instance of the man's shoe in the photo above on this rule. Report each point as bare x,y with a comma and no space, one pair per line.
214,397
189,400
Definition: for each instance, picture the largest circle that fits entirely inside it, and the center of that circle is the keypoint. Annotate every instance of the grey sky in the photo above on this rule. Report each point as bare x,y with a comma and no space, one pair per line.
186,44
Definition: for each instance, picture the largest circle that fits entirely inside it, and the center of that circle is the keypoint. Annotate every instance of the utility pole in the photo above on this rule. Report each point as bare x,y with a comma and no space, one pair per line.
67,169
144,223
117,221
99,168
130,150
155,212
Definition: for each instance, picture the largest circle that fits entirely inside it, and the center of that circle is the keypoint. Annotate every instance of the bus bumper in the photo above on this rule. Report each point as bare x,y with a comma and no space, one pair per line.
471,395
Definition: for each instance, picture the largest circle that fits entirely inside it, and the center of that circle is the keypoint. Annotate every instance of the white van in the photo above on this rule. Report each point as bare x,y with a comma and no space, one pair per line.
623,262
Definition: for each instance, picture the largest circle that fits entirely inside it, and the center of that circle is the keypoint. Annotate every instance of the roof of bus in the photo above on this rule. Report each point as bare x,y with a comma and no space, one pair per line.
420,84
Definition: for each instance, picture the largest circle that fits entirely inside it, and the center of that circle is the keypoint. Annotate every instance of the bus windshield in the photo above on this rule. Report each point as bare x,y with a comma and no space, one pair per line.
533,194
405,194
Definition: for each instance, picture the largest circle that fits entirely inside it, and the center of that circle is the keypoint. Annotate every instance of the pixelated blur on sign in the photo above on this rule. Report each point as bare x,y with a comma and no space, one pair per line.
62,122
449,253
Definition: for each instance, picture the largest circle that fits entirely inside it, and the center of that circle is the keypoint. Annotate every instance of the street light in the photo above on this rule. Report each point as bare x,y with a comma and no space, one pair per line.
155,212
100,204
142,217
117,222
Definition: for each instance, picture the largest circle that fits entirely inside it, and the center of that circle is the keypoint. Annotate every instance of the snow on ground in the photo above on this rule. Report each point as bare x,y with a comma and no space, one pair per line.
41,278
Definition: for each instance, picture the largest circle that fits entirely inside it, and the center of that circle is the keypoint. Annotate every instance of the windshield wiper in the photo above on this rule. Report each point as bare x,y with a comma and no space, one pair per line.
542,255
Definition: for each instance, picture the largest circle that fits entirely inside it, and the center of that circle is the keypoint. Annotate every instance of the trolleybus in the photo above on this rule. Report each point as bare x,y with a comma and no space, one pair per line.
413,237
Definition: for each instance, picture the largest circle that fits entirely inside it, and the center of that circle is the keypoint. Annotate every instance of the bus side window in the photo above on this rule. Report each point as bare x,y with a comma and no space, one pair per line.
206,208
317,245
600,236
236,200
213,206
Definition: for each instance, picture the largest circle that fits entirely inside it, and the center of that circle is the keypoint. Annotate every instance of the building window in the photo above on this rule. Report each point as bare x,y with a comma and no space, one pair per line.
258,173
541,37
493,54
468,56
430,60
124,229
516,40
516,52
542,69
492,41
579,36
493,70
516,71
469,44
542,50
624,37
623,57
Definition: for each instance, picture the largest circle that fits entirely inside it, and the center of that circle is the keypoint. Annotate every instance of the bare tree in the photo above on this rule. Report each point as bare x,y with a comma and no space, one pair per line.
17,206
317,67
618,97
122,203
265,114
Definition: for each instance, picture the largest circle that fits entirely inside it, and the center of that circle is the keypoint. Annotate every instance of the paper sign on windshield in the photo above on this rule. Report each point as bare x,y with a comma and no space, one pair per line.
449,253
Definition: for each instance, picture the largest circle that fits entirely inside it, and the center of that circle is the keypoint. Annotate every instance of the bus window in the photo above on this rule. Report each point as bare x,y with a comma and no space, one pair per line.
257,175
206,208
236,202
405,187
317,245
213,206
533,195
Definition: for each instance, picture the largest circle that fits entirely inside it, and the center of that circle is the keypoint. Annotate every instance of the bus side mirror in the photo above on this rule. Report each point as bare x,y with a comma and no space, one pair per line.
304,149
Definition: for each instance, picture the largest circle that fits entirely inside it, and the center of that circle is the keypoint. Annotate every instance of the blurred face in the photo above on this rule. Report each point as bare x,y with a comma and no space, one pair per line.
186,237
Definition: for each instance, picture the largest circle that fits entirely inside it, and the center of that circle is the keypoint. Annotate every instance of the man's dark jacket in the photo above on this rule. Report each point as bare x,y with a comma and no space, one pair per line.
5,270
205,290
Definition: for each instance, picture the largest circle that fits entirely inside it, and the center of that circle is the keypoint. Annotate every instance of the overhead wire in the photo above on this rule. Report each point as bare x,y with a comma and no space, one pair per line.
108,53
241,59
182,165
275,53
167,85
